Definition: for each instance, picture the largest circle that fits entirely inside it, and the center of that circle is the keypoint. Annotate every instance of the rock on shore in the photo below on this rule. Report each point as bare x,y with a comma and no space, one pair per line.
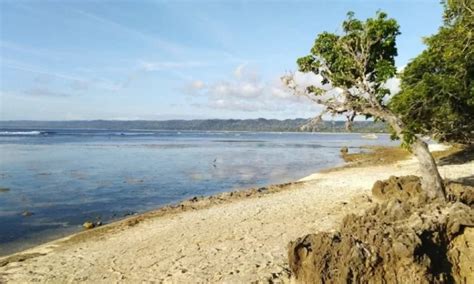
404,239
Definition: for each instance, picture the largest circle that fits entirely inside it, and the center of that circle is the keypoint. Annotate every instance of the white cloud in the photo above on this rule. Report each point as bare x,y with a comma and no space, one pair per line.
245,73
13,64
305,80
393,84
239,70
197,85
239,89
76,82
246,91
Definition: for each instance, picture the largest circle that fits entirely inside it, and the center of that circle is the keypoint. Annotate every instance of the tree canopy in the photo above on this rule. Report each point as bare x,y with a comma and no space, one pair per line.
437,89
364,53
353,68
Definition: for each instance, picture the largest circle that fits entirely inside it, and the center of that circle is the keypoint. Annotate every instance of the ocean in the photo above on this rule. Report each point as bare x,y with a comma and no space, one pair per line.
66,177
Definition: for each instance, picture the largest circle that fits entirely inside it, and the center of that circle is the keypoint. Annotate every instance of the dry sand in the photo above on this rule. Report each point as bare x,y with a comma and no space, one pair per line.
239,241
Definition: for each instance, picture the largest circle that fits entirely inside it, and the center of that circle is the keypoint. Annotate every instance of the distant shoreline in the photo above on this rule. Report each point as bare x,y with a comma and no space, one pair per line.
239,125
193,131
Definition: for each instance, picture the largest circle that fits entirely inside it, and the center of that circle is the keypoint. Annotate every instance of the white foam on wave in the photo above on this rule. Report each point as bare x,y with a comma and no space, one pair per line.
34,132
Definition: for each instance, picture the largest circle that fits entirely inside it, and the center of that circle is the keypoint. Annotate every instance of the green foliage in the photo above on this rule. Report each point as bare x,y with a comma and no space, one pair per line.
456,10
437,92
365,51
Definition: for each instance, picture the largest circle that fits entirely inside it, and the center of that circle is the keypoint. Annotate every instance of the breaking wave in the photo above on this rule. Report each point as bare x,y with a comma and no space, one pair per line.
14,133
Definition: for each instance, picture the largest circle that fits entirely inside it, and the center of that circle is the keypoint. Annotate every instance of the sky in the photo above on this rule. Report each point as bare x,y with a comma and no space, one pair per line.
157,60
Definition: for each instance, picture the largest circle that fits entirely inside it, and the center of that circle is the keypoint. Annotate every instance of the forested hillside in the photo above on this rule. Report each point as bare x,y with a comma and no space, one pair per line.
202,125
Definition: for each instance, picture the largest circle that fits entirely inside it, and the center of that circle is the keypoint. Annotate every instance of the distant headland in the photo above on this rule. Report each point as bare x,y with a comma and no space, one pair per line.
260,124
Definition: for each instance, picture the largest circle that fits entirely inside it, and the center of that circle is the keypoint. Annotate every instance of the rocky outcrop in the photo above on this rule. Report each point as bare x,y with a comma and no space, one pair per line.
460,192
409,188
461,254
403,239
403,188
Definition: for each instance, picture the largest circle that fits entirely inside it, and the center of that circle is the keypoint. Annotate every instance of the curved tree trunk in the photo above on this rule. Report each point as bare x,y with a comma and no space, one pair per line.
431,180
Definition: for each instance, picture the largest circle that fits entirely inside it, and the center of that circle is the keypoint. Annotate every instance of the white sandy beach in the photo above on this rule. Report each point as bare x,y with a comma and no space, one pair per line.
240,241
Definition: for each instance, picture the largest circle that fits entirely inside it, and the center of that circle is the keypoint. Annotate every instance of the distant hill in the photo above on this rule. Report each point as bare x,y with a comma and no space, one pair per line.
261,124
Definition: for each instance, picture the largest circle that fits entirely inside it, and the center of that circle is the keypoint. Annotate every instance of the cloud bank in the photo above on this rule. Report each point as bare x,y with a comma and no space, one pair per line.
247,91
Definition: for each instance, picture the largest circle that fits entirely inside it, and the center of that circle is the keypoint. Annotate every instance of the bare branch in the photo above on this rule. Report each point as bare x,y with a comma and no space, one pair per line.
313,122
350,118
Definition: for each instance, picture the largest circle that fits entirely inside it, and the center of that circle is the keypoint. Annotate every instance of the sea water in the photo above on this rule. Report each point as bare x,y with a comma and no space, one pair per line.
66,177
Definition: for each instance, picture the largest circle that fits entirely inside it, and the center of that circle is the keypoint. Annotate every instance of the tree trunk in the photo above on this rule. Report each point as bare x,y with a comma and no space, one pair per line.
431,181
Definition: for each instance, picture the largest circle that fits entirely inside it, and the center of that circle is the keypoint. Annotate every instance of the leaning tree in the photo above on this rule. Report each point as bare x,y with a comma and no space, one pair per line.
352,70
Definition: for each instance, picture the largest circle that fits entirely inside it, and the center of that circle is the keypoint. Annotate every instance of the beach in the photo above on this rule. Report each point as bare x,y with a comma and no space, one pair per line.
234,239
102,175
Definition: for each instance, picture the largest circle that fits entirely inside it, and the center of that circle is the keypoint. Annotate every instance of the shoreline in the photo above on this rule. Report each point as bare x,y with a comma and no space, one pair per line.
285,210
41,238
193,203
96,183
190,203
207,201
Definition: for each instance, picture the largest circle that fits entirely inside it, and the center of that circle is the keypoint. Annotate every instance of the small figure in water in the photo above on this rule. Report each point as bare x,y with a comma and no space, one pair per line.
214,163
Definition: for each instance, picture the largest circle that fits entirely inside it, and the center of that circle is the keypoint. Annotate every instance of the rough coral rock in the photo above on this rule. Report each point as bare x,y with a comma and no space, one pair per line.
403,239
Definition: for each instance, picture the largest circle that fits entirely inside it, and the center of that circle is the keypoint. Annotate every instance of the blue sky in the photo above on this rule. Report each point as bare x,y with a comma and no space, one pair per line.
64,60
